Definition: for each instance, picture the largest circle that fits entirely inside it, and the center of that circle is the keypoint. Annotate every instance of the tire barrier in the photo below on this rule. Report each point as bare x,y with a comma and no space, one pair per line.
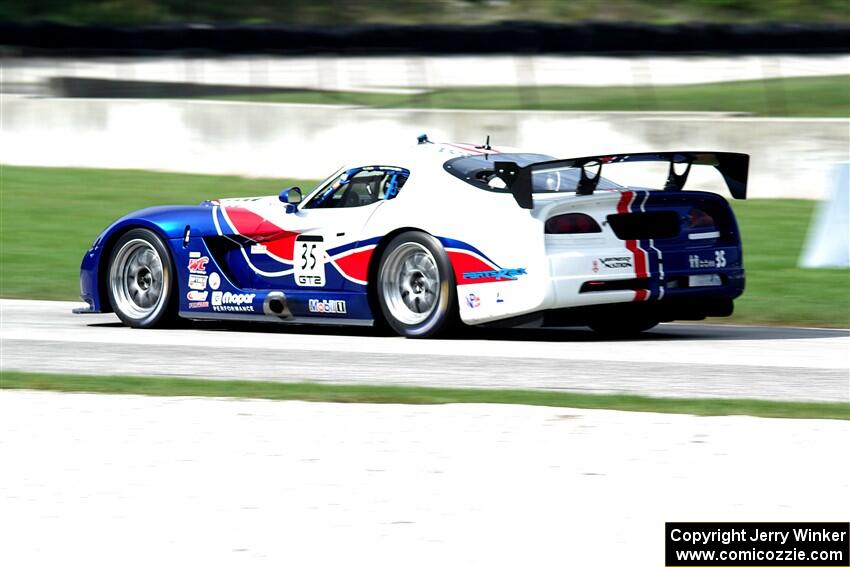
506,37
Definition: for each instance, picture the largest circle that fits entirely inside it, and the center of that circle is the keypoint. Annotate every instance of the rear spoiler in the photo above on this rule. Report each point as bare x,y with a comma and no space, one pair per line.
733,167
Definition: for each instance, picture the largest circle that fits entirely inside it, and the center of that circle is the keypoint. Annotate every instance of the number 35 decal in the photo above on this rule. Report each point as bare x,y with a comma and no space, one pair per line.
720,258
310,261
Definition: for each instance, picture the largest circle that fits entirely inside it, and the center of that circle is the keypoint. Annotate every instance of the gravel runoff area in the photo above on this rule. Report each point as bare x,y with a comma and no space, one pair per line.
133,480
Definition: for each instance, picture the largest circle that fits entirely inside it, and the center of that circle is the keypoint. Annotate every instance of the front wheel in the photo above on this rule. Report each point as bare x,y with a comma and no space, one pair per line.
140,280
416,288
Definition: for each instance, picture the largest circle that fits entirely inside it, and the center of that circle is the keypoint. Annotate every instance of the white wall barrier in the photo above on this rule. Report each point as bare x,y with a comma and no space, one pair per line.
790,157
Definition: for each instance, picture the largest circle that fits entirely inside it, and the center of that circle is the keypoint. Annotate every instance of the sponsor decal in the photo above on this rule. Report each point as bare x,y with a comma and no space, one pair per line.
199,304
473,300
311,281
194,254
499,297
617,262
197,295
215,280
504,274
226,301
595,266
197,281
326,306
259,249
719,260
309,258
198,265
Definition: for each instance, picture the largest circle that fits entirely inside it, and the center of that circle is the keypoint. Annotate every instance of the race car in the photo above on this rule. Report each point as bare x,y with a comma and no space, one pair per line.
440,236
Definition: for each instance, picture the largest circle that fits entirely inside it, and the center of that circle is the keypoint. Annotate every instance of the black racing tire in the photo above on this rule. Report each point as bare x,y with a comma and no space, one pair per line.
622,328
416,286
140,280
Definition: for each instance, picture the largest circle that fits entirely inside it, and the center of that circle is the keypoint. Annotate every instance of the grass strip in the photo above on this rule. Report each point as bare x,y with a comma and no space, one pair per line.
827,96
371,394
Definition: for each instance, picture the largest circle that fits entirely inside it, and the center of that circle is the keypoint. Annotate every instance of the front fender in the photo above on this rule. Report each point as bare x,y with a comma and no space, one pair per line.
169,222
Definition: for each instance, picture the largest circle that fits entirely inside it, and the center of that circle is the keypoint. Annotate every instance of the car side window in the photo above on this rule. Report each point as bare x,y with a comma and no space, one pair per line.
359,187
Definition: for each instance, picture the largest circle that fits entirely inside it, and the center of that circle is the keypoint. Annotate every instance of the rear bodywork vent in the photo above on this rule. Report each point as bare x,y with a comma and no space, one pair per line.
614,285
643,226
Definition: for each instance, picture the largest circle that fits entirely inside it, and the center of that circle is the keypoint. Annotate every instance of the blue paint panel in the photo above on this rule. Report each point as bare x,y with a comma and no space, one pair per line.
357,305
167,221
353,245
674,259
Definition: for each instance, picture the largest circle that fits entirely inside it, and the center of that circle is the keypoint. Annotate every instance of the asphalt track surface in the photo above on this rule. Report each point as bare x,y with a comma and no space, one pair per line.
674,360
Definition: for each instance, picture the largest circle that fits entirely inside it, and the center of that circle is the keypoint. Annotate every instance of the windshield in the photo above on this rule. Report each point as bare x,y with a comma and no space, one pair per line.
480,171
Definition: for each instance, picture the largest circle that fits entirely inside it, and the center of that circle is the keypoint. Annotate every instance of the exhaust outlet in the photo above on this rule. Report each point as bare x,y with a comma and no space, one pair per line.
275,305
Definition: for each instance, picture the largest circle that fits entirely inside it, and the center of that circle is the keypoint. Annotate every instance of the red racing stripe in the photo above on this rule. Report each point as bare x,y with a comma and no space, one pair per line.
356,265
463,263
623,207
278,241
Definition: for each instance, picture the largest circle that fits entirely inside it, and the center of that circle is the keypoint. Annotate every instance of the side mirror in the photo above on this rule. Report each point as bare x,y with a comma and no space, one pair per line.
291,196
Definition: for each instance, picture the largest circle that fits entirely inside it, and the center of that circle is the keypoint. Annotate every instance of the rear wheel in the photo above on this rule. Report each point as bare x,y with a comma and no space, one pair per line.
416,288
622,327
140,280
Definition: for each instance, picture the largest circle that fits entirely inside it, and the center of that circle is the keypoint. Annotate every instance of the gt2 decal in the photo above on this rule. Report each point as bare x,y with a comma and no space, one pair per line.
719,260
310,261
502,274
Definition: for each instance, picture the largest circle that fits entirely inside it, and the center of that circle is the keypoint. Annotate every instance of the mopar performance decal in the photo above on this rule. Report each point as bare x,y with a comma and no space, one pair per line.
503,274
226,301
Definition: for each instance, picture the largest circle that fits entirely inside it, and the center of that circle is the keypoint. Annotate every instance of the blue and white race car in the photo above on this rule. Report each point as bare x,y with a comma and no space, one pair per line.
442,235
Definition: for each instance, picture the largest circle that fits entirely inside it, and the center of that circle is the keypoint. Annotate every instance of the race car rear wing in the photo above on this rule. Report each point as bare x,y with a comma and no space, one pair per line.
733,167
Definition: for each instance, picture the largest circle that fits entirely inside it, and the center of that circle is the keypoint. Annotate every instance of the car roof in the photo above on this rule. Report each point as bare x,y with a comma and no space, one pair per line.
428,155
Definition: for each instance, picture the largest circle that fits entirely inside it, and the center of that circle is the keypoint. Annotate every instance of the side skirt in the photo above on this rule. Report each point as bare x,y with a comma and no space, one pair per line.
196,316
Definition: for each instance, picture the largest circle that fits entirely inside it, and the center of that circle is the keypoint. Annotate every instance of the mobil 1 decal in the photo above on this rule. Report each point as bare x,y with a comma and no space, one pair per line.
309,258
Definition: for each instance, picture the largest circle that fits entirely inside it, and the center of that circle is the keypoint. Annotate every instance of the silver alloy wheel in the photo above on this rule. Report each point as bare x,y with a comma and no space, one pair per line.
410,283
137,279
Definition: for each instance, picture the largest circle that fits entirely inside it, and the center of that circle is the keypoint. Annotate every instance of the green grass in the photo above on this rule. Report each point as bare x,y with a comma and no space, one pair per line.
456,12
798,96
49,217
314,392
778,292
